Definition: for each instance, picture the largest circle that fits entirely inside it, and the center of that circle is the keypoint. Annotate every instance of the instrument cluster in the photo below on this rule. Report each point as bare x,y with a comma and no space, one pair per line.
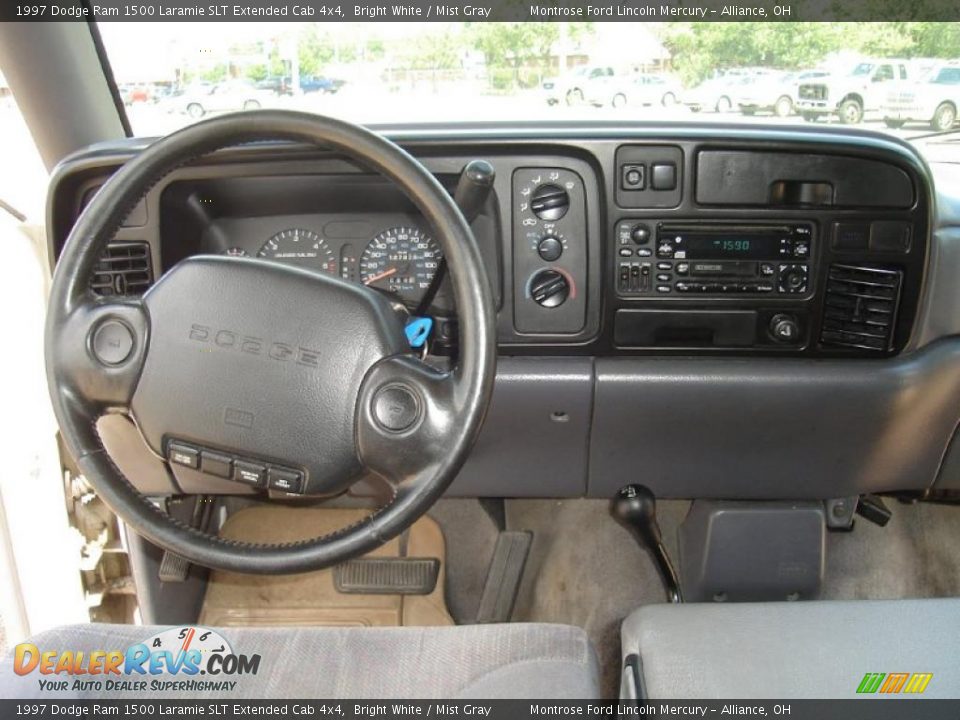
390,253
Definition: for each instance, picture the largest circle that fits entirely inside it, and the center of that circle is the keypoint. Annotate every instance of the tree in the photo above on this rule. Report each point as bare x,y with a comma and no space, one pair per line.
514,45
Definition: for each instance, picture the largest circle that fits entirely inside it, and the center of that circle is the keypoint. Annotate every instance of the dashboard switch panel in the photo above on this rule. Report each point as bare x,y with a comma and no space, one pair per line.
660,186
549,251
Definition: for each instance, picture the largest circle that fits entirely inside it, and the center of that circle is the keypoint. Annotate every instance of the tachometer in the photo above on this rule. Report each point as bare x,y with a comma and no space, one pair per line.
402,260
300,247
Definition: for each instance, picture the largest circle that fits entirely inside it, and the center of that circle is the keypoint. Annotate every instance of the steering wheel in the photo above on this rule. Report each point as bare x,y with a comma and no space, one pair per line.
285,369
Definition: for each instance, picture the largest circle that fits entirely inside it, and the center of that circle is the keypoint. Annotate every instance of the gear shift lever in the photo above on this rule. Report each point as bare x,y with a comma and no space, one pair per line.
635,507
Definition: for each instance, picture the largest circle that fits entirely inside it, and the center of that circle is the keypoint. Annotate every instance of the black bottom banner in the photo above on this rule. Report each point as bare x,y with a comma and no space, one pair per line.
875,709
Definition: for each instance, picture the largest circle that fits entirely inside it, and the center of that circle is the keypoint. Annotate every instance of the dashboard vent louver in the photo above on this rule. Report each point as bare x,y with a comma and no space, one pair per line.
124,269
860,307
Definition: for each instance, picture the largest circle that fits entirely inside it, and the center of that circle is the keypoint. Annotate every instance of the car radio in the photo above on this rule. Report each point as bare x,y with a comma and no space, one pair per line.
711,259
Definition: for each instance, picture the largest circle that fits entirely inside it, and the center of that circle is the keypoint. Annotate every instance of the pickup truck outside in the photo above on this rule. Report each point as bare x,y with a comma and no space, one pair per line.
850,95
933,99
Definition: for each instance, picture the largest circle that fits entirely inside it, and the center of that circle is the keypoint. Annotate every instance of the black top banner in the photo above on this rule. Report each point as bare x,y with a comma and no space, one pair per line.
334,11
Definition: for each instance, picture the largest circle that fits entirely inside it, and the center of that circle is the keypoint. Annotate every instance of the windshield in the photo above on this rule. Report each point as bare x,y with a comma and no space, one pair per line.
170,74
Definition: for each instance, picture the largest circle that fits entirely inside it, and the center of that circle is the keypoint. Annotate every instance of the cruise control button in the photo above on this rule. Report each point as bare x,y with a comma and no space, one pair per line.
112,342
289,481
395,408
214,463
249,473
183,454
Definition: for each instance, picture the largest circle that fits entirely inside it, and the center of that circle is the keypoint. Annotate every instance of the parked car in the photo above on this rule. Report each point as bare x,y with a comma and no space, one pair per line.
934,99
272,83
637,89
775,93
718,94
571,87
198,100
850,95
135,93
312,83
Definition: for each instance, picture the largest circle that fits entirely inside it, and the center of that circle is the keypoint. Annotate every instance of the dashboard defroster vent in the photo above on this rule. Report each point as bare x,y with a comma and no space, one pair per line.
860,307
124,269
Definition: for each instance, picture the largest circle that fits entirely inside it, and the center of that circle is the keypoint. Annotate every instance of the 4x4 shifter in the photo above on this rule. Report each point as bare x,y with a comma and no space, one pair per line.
635,507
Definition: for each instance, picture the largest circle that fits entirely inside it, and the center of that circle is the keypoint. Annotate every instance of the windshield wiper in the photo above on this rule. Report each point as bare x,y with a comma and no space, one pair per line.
941,133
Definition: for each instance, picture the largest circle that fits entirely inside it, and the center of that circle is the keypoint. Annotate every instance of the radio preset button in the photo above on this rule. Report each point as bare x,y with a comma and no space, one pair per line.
663,277
663,289
626,252
664,266
682,268
644,252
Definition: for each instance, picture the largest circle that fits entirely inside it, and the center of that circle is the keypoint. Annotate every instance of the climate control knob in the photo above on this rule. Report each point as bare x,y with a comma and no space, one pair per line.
550,202
550,248
549,288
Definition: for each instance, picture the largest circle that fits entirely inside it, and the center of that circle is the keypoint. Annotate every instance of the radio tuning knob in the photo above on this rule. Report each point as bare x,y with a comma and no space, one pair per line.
549,288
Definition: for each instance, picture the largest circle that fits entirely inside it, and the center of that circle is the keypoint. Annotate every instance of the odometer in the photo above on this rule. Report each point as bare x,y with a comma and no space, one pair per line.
402,260
300,247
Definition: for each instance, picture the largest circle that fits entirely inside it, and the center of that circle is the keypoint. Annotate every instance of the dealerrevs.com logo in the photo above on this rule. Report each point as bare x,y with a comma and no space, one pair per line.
171,661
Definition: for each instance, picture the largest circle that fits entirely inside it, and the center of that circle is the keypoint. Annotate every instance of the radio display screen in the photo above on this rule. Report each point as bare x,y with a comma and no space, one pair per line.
718,246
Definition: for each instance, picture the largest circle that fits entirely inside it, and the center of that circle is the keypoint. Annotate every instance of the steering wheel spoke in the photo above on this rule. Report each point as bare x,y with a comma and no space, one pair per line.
99,347
405,417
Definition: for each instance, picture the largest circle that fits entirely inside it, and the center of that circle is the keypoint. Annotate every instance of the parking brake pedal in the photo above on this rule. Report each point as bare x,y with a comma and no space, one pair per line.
874,509
175,568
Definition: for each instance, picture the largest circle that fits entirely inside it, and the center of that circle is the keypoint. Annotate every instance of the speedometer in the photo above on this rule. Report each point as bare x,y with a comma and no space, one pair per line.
402,260
300,247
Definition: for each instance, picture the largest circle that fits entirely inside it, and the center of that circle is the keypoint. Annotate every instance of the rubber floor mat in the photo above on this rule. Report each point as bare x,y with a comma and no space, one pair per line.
312,598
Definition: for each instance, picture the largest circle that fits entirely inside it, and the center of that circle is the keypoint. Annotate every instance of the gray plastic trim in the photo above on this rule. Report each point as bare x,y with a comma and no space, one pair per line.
534,440
773,429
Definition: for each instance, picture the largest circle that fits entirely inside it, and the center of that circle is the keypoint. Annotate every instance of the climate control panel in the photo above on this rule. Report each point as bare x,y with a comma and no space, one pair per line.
549,250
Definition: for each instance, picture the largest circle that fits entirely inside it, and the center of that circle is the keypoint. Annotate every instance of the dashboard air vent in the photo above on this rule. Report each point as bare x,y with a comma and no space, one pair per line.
124,269
860,308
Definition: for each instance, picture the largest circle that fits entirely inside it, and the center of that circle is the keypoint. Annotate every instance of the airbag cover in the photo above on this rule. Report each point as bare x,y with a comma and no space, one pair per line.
263,360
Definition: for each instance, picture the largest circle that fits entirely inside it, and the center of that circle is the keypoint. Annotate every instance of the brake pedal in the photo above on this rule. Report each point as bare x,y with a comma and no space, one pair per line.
387,576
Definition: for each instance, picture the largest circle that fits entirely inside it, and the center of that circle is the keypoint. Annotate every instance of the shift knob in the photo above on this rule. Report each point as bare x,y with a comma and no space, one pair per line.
635,507
473,187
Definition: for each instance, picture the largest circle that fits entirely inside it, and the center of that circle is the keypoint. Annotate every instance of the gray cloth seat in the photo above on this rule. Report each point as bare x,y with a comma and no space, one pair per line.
790,650
476,661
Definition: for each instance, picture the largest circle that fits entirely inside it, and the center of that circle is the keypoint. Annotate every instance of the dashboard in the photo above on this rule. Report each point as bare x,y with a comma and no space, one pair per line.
666,297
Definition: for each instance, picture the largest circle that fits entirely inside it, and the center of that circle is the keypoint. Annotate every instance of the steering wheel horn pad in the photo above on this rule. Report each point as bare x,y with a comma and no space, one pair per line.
282,348
303,357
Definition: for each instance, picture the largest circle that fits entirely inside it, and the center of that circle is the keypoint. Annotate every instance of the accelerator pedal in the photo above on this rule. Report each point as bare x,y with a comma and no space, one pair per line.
504,575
